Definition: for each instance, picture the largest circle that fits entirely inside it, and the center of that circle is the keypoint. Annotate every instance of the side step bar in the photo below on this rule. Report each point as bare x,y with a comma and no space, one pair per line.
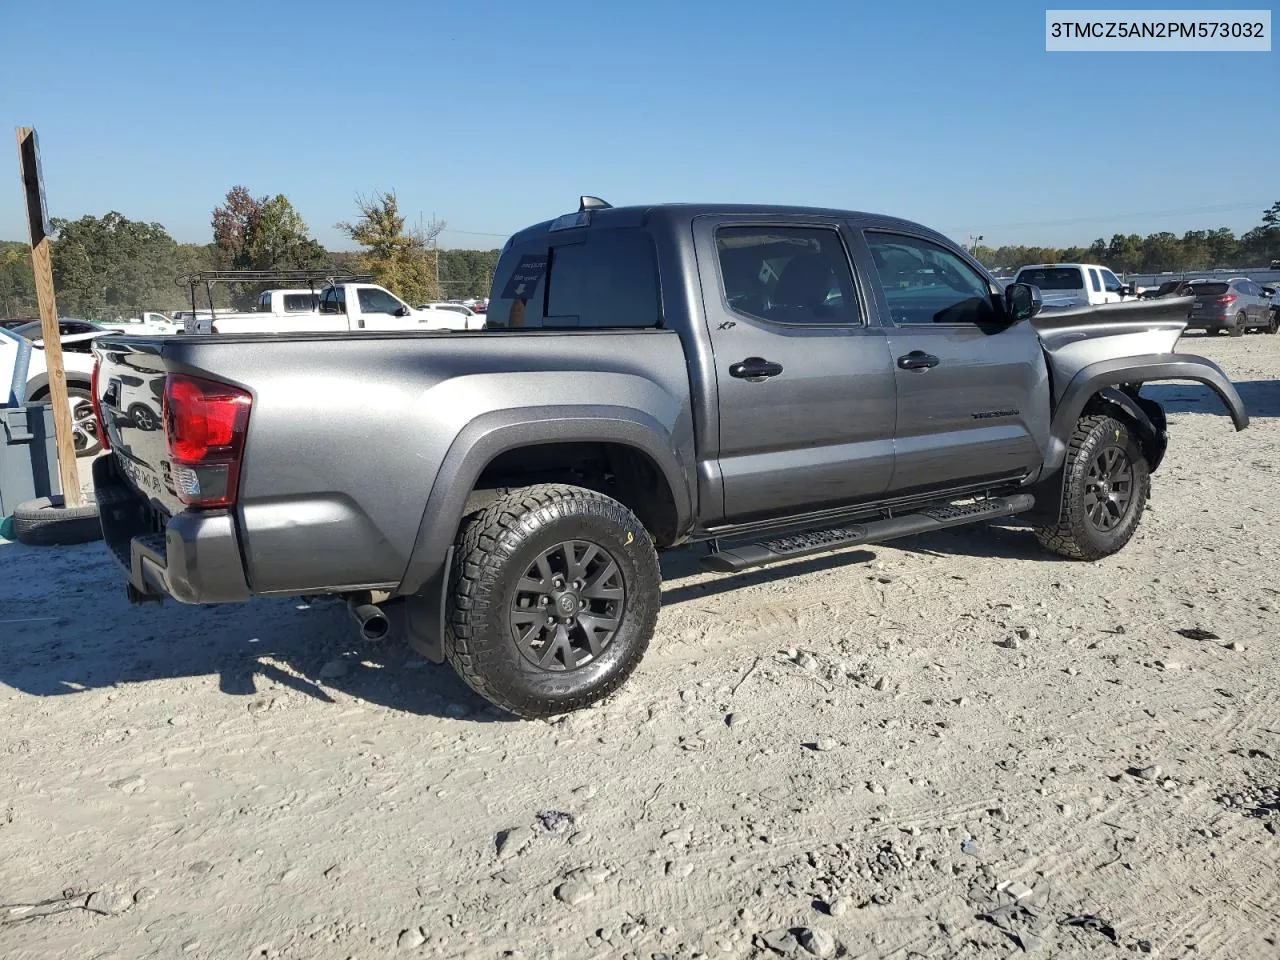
764,552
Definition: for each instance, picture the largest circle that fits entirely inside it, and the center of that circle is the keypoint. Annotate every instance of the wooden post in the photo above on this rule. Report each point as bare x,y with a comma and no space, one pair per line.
42,267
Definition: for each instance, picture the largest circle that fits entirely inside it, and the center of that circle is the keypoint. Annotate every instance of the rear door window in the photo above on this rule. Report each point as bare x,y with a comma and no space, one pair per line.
792,275
1094,281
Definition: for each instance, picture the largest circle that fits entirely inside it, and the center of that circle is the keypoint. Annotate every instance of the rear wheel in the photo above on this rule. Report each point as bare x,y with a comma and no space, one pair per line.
554,595
1240,326
1273,324
1106,483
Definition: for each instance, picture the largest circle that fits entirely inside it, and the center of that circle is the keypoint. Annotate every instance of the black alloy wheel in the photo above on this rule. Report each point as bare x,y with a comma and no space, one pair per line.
568,606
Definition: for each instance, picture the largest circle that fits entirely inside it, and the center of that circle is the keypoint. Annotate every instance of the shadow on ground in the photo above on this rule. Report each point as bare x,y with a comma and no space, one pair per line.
66,628
1261,397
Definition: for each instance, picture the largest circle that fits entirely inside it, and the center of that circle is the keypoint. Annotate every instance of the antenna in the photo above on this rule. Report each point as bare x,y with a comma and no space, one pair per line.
592,203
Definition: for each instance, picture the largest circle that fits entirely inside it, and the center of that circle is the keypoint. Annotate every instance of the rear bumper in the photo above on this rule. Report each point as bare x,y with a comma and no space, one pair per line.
192,557
1209,322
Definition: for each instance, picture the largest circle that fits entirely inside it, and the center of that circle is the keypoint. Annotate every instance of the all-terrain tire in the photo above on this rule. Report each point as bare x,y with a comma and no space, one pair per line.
1077,535
490,588
48,522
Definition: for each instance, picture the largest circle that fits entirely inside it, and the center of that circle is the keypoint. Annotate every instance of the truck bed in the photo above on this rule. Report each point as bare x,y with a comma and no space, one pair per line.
346,435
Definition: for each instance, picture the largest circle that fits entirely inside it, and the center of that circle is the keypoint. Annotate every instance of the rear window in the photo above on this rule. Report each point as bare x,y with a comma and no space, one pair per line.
1054,278
609,279
1209,289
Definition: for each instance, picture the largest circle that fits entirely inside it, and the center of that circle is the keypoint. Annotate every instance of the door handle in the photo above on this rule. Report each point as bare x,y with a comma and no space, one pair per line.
918,360
755,368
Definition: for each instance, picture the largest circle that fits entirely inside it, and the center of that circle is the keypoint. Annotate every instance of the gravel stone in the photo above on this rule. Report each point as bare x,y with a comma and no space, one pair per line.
512,841
1152,772
109,904
573,893
410,939
817,942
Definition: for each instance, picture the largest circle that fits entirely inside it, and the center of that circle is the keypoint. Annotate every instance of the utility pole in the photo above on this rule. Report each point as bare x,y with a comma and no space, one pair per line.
973,244
42,268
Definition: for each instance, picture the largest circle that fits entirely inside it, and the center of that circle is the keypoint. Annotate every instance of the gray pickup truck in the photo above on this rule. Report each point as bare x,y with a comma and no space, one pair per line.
772,381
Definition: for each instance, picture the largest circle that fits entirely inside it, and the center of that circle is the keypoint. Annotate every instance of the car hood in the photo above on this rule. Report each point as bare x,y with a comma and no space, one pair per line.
1076,337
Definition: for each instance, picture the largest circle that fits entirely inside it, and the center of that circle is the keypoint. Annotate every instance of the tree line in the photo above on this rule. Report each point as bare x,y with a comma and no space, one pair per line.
1156,252
112,267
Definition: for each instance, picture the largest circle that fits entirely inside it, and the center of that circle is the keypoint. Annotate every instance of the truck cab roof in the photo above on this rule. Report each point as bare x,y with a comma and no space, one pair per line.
611,218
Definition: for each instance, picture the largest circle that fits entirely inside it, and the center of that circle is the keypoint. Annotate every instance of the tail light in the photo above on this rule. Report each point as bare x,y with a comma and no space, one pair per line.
99,421
1226,298
205,424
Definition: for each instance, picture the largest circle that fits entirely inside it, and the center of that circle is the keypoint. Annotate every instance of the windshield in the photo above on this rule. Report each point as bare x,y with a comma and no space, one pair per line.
1053,278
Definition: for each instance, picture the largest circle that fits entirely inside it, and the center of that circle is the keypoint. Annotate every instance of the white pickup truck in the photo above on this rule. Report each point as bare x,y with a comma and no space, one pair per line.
1076,284
337,308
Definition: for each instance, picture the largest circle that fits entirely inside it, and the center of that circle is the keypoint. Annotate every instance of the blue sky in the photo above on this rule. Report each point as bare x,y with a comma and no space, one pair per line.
496,114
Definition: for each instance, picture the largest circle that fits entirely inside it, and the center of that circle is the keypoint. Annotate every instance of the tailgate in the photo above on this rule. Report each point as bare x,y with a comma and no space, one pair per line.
131,379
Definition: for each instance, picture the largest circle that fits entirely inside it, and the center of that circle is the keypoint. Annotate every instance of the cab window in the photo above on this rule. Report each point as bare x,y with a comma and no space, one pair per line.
373,300
924,282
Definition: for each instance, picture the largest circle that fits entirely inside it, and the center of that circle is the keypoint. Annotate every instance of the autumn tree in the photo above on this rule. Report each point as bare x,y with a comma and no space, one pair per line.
262,233
400,258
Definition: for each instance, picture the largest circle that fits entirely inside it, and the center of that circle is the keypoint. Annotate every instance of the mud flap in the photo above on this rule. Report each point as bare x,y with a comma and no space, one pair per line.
425,611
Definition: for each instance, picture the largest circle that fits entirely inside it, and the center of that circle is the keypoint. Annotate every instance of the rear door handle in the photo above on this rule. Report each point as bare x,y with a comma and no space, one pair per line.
755,368
918,360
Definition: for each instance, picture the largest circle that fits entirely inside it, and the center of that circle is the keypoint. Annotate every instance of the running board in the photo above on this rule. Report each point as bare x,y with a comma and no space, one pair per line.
765,552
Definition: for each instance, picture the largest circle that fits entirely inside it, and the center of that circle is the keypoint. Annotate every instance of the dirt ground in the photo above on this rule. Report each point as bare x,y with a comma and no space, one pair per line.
956,746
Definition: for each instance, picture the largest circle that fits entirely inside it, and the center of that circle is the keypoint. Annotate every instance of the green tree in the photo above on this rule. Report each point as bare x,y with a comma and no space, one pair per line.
111,266
401,259
17,285
468,273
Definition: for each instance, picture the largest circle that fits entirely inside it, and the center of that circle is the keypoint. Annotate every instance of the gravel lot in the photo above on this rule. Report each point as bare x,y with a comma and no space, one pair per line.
956,746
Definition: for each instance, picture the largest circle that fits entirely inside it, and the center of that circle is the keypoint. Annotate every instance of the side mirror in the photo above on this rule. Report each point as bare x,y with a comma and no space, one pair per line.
1128,289
402,311
1269,291
1022,301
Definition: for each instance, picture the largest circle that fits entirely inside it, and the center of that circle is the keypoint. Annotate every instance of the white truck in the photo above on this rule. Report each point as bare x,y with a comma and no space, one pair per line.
336,308
1076,284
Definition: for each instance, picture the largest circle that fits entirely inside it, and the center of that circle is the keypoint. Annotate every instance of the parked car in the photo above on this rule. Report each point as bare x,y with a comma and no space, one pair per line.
475,321
801,380
77,364
1072,284
1236,305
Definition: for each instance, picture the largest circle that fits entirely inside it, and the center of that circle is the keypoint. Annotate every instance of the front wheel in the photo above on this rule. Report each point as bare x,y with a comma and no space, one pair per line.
553,599
1273,325
1106,482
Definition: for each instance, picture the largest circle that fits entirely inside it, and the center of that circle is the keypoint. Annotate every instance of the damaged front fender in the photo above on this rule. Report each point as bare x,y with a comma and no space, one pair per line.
1130,372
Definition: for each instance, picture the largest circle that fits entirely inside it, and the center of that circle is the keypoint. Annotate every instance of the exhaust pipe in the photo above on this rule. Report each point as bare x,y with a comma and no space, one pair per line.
373,623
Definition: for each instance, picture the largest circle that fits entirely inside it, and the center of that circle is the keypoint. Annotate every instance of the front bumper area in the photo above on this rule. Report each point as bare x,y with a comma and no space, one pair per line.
193,557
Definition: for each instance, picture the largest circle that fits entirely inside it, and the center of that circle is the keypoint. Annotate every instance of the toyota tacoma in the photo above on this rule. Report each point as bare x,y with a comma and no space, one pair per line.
773,382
